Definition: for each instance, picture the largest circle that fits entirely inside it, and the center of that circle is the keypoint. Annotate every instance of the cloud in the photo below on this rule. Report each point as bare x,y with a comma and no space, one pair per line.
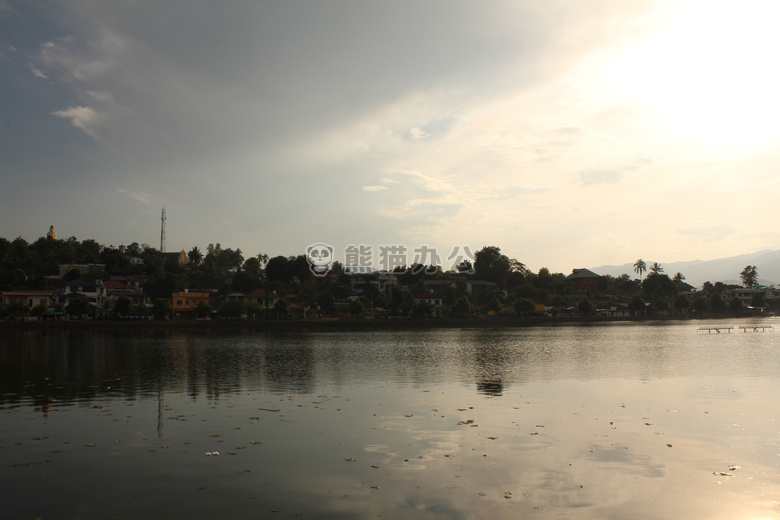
417,133
711,232
374,188
592,177
143,197
5,50
81,117
36,72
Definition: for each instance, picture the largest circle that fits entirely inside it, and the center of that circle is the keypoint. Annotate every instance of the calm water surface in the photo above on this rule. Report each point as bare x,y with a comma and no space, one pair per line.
634,421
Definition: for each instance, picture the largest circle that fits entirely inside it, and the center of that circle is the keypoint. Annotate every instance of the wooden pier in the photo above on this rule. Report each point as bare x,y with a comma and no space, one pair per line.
757,328
716,330
743,328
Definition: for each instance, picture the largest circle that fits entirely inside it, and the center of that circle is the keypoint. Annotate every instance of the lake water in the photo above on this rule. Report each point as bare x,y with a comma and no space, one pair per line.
621,420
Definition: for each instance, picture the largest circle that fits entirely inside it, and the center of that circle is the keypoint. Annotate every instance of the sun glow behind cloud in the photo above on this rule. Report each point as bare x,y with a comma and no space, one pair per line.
711,75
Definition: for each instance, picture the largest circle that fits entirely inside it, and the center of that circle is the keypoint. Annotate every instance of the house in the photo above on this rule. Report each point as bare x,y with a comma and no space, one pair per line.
584,279
180,257
746,295
186,301
619,310
434,300
258,296
29,298
95,292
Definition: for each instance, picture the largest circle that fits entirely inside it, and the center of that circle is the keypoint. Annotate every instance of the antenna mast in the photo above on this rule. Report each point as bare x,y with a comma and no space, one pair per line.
162,231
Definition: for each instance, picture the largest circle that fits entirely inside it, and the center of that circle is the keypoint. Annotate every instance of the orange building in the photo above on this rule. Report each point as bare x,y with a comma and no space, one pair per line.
188,301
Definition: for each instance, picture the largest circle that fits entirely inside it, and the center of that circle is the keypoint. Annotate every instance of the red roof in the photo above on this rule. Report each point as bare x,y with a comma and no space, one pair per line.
259,293
115,284
27,293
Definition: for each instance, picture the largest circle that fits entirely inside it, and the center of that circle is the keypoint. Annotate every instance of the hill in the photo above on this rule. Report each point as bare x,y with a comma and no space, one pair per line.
724,270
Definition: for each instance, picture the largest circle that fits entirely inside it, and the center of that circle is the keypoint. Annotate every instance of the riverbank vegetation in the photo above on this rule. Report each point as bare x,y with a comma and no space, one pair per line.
139,281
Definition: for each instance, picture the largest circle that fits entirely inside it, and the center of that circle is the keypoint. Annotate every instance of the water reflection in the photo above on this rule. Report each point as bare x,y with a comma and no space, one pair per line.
64,366
585,422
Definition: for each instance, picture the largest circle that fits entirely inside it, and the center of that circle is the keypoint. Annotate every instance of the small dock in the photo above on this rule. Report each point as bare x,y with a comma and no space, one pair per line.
716,330
757,328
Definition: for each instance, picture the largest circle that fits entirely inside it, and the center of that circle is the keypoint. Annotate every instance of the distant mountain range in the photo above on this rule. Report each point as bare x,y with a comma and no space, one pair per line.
697,272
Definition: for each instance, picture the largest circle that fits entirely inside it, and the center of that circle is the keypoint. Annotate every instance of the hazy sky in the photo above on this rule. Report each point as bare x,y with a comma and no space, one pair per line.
568,133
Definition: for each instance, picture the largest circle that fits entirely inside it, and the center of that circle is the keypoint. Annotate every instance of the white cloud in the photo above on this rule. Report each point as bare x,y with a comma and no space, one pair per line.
81,117
417,133
36,72
592,177
374,188
140,196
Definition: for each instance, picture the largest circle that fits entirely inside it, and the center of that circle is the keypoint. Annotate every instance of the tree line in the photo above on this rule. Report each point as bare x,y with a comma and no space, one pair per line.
513,288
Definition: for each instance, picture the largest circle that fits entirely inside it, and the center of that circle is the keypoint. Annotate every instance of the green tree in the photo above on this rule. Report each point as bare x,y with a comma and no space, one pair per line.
636,305
585,307
39,310
736,306
524,307
195,256
203,310
124,306
78,306
281,307
681,303
656,268
229,309
252,265
423,309
494,305
161,308
279,269
657,286
640,267
699,304
491,265
356,307
463,307
757,300
717,304
749,276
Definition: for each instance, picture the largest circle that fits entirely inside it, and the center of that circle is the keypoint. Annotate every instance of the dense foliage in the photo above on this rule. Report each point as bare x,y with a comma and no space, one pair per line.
495,285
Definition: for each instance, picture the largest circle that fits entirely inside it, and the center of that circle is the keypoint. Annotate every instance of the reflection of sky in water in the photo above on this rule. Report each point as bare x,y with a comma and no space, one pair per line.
557,422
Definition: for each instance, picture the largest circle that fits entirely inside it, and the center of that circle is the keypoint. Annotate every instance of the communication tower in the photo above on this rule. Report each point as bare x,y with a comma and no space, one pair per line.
162,231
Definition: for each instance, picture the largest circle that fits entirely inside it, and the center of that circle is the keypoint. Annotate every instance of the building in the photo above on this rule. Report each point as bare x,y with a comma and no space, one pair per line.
29,298
436,302
584,279
746,295
180,257
186,301
258,296
95,292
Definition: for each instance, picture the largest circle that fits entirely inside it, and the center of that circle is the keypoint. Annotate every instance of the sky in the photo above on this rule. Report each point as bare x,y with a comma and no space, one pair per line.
569,134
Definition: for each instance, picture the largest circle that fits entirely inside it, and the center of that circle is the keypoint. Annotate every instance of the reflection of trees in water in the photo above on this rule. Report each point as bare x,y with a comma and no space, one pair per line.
289,364
492,387
492,358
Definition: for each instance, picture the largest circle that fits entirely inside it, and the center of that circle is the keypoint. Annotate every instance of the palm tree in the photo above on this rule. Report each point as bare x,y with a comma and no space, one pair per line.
656,268
195,256
640,267
678,277
263,258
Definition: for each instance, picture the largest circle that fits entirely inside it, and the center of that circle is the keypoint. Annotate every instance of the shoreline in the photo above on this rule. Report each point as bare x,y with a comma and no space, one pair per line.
344,325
